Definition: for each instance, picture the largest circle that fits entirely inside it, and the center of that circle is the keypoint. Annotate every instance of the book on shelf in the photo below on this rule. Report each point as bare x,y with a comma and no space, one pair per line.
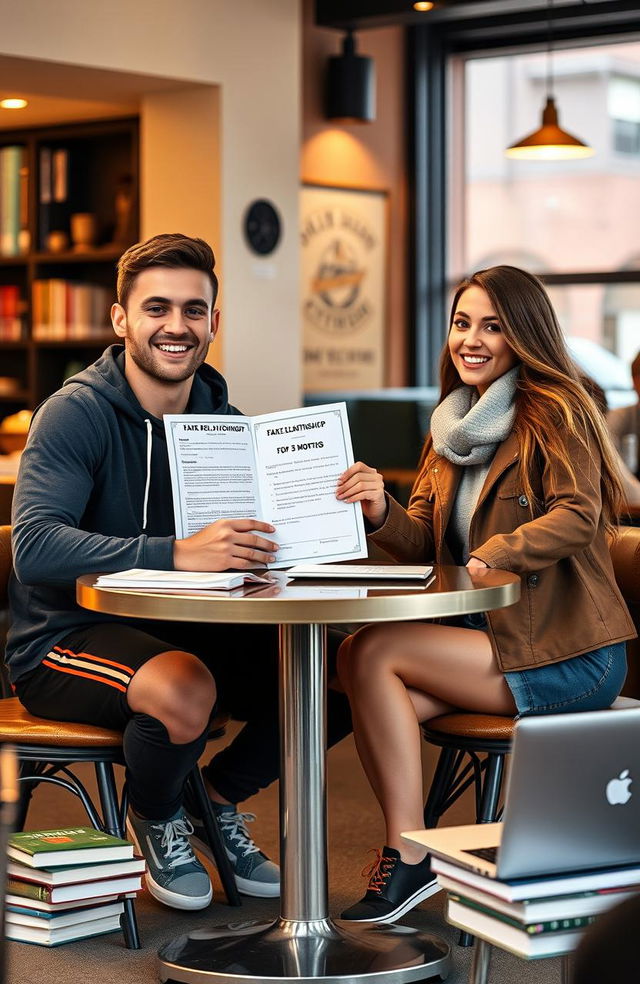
78,891
53,192
588,903
24,234
44,196
58,307
11,309
363,572
60,174
19,903
536,888
511,937
66,846
72,873
11,163
157,580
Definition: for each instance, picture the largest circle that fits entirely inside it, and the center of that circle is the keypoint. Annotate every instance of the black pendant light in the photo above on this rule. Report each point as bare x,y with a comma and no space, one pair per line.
351,85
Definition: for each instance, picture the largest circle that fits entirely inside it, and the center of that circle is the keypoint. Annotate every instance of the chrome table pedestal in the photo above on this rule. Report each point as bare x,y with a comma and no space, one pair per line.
303,945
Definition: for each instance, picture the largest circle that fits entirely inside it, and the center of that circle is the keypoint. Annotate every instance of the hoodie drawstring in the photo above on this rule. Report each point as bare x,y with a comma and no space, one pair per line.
148,481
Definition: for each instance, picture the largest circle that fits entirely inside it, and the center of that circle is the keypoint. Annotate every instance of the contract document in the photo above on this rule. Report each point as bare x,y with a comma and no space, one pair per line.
281,468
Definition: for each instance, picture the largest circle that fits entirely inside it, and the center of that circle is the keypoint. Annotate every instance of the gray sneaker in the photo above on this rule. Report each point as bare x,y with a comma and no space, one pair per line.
174,874
254,873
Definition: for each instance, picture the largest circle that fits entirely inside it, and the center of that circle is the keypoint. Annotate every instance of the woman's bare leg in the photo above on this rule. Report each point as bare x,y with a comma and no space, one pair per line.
397,675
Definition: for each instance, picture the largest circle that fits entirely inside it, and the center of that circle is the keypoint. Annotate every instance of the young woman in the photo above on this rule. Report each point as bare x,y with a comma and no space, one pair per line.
518,474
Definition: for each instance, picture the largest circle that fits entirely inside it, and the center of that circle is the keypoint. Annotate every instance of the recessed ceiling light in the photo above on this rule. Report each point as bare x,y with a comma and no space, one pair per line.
13,103
422,5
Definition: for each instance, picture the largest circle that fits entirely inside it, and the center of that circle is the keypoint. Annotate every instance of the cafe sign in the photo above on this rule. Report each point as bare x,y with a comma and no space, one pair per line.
343,245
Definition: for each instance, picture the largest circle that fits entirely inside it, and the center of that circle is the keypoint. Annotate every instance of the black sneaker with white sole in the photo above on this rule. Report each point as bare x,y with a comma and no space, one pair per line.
394,888
174,875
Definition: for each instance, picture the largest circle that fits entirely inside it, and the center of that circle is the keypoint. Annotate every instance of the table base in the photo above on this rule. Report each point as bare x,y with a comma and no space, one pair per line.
318,952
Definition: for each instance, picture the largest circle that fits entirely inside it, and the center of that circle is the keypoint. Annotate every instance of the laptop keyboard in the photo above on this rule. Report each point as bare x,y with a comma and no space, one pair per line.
486,853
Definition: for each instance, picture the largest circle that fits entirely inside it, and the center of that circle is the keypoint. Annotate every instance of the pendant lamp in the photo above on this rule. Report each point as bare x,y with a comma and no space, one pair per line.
549,142
351,85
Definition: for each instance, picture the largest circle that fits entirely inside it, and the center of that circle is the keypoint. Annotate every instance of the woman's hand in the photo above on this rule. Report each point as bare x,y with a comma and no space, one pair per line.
363,484
475,564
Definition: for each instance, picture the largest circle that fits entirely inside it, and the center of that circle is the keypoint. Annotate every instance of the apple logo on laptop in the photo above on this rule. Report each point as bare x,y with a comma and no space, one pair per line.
617,790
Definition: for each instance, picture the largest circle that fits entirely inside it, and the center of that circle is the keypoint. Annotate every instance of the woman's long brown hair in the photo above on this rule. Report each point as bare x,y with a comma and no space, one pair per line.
552,400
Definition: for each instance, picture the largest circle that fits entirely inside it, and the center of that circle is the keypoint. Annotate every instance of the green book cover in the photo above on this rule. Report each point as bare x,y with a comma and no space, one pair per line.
531,928
35,842
28,890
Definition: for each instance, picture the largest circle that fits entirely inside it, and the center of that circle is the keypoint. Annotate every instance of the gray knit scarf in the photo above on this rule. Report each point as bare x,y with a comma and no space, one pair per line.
466,429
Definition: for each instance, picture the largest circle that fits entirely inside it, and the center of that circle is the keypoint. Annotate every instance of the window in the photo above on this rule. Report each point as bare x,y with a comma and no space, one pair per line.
573,222
624,110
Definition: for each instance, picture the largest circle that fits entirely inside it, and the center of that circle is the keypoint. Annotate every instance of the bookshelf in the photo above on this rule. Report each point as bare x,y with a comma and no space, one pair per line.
68,209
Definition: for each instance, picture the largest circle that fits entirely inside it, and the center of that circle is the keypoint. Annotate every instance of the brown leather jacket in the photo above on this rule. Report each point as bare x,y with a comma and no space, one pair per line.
570,603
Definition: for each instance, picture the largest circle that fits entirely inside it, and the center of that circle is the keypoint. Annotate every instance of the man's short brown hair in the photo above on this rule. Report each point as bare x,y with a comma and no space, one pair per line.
170,249
635,367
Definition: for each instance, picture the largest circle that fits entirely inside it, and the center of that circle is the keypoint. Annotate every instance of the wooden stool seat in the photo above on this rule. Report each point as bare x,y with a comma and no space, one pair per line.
487,726
491,727
20,727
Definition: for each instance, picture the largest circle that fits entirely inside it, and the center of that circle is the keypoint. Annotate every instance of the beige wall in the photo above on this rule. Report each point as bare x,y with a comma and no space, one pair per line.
249,50
369,155
171,200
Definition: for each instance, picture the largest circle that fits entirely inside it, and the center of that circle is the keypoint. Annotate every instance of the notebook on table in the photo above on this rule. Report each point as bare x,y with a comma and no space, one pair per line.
364,572
572,801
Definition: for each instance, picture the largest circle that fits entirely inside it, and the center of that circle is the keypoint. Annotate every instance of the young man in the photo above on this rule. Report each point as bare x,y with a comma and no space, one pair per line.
93,495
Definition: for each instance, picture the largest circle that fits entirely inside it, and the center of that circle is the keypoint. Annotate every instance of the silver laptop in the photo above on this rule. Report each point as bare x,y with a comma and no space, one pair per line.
572,801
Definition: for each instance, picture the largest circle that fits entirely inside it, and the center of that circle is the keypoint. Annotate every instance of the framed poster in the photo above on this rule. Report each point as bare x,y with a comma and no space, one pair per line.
344,287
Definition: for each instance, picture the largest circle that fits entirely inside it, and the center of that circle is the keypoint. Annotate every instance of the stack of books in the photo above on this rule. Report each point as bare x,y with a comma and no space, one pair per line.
67,884
532,917
63,309
12,309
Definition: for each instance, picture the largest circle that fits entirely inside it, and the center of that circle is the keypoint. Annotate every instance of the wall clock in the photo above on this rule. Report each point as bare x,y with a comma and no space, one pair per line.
262,227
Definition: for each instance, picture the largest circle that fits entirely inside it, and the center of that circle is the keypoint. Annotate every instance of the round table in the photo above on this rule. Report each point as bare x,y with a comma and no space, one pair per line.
304,945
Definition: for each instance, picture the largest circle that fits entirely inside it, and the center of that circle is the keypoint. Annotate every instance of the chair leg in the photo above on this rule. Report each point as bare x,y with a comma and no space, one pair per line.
26,792
108,793
439,787
214,837
491,788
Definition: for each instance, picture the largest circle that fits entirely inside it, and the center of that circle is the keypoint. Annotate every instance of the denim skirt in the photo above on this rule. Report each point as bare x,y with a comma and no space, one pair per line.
589,682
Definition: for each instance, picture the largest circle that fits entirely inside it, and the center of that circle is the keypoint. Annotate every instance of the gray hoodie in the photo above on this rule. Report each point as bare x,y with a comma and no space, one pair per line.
93,495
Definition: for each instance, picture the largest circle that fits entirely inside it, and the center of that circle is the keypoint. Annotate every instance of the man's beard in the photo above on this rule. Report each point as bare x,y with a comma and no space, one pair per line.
146,361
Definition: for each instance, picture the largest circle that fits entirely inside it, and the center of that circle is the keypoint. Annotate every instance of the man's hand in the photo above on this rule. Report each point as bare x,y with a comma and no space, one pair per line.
226,543
363,484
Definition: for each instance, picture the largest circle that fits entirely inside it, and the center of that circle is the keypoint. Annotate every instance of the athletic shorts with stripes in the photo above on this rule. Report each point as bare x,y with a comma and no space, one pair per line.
85,677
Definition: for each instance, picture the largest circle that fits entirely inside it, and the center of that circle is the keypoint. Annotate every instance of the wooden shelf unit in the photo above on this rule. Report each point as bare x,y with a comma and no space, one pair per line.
102,158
